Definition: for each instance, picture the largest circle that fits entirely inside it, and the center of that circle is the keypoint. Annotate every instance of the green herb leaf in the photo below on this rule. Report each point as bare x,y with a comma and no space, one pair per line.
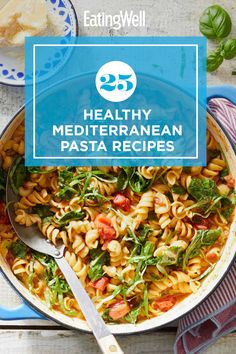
17,174
43,211
99,259
104,177
202,188
71,215
124,177
214,60
143,232
201,239
18,249
178,189
132,316
229,49
211,154
140,184
224,173
215,22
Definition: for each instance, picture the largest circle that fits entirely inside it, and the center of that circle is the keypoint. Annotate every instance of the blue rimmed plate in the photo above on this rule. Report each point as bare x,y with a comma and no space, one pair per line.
12,59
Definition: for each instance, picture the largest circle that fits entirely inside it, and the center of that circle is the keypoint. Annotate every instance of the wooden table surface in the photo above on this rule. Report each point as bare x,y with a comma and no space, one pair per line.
163,18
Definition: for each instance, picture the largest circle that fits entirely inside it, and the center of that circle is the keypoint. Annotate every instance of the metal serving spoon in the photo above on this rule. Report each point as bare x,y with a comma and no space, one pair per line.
33,238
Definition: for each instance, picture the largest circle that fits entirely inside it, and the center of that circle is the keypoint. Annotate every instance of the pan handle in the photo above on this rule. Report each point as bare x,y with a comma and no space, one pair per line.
21,312
225,91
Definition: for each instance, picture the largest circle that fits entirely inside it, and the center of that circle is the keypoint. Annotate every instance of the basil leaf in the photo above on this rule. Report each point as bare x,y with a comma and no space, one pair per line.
19,249
178,189
214,60
215,22
229,49
17,174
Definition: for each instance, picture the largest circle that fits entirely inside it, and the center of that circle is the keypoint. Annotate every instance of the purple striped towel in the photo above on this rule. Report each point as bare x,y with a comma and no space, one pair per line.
216,316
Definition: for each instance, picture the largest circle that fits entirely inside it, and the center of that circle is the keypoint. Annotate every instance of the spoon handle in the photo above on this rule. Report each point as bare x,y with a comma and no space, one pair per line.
105,339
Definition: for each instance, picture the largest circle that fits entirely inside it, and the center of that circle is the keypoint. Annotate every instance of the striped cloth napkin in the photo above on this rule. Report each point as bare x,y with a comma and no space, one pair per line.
216,316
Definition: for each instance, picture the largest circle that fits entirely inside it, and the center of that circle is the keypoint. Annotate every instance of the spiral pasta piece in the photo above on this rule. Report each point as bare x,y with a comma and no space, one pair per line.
175,278
145,204
33,199
213,168
91,238
148,171
77,264
53,233
26,219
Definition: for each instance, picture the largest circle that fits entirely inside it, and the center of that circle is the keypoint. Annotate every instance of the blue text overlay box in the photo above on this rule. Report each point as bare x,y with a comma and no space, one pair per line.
116,101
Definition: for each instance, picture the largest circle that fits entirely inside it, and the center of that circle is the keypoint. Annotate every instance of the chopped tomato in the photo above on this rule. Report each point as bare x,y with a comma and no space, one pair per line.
212,256
3,215
158,201
165,303
201,223
216,179
105,227
200,227
4,220
119,310
10,258
99,284
186,219
230,181
2,208
121,201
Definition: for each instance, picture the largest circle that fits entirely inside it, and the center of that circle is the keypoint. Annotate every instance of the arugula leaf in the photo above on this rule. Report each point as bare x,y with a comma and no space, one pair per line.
224,173
19,249
17,174
71,215
140,184
124,177
211,154
132,316
201,239
172,256
202,188
227,207
178,189
104,177
43,211
143,232
99,259
65,177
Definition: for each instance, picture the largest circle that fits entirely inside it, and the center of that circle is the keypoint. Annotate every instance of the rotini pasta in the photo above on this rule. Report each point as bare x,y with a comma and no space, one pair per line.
142,242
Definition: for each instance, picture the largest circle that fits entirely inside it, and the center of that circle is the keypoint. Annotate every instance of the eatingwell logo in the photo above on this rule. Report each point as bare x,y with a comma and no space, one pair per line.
121,19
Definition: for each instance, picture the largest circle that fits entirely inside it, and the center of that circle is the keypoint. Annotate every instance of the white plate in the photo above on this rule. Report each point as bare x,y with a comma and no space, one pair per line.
12,59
